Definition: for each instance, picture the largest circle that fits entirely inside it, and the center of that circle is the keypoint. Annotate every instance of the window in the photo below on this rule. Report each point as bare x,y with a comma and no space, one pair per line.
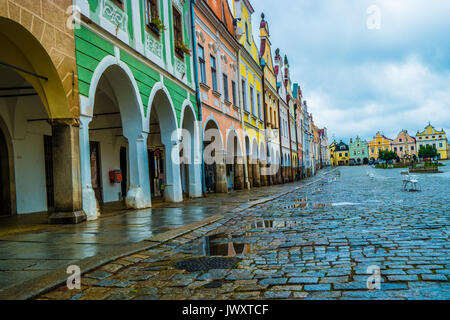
400,140
213,73
225,87
395,148
201,59
259,106
252,102
244,95
246,32
401,148
440,145
412,148
233,92
119,3
151,11
177,30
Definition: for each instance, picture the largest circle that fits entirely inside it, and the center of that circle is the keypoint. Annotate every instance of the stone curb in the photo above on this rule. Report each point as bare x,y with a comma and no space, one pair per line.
36,286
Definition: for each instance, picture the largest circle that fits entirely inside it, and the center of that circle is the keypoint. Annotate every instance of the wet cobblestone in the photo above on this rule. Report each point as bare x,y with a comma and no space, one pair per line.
314,243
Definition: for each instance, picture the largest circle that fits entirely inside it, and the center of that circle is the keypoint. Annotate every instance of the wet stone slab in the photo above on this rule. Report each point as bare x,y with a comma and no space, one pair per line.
313,244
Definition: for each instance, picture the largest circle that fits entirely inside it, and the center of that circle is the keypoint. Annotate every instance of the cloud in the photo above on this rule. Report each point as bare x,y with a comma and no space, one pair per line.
358,81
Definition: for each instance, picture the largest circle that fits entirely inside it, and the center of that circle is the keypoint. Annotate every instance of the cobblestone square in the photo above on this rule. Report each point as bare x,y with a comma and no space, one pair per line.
322,241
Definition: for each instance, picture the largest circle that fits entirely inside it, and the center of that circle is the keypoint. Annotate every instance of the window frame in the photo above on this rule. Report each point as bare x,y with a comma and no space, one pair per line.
252,101
202,65
177,31
213,67
234,93
226,89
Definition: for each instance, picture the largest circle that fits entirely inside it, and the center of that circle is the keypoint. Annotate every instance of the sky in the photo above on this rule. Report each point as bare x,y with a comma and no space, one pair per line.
365,65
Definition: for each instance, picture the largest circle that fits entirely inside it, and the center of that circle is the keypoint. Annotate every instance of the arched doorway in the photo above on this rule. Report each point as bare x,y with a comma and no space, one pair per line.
113,143
254,164
213,155
190,164
365,161
29,171
234,161
164,145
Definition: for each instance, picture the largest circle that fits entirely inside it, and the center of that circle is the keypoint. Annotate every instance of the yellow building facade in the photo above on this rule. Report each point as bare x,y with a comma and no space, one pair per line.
251,80
433,137
379,142
339,154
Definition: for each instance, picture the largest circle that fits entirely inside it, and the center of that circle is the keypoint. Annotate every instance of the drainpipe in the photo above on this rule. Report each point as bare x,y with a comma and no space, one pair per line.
289,128
296,139
241,106
263,65
281,143
197,91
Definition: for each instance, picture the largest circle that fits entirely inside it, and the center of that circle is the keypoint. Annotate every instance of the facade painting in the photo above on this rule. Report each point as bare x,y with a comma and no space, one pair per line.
136,92
218,75
433,137
379,142
405,146
359,151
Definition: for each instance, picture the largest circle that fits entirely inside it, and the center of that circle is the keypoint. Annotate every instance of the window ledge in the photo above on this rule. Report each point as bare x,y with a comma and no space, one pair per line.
227,102
204,86
216,93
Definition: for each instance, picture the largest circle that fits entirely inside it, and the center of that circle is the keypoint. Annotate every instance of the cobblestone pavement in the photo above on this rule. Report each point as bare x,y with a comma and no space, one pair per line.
320,242
27,253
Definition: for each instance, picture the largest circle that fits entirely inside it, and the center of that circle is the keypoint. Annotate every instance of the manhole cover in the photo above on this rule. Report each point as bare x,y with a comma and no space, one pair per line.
205,264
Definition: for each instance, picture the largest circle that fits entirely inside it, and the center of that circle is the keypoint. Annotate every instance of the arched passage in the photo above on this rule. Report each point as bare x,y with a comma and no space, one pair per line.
191,155
113,142
213,156
234,161
22,50
40,115
254,165
164,148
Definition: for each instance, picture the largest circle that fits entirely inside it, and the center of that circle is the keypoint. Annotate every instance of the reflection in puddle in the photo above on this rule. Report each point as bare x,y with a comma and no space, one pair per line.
272,224
222,245
339,204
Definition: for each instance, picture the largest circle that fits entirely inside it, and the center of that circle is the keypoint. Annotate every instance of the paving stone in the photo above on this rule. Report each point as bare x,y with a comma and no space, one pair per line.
411,277
301,280
277,294
433,277
273,281
317,287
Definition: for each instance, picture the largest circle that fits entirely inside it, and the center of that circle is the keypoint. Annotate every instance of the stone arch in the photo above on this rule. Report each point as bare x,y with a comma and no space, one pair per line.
162,108
233,149
129,93
255,149
115,81
262,151
191,167
21,49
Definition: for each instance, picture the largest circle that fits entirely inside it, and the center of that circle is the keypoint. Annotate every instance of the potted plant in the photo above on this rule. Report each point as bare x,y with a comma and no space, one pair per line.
156,25
182,49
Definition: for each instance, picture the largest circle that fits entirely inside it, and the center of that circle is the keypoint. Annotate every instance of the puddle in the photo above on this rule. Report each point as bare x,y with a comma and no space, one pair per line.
223,245
341,204
273,224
